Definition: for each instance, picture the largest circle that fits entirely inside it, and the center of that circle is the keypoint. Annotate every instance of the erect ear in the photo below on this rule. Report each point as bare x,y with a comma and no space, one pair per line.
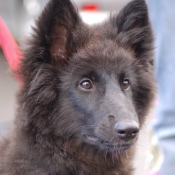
54,27
133,28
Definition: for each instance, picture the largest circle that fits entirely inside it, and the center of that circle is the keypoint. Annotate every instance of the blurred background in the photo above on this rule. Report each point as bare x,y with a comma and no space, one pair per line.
19,16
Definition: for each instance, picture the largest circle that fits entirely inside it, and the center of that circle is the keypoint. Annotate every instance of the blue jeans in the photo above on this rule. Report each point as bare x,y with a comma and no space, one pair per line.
162,14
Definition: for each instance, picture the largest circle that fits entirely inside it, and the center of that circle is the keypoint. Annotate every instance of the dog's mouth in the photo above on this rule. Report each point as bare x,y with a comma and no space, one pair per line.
91,138
109,145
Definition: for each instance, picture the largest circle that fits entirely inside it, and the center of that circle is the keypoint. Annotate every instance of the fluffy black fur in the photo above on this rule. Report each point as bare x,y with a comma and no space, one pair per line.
80,84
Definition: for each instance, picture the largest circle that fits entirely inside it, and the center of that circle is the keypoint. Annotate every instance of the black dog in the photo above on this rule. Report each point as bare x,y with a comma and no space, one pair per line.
84,96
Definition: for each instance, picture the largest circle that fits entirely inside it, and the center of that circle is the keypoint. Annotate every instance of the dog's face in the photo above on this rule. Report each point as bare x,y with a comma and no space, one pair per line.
97,96
93,84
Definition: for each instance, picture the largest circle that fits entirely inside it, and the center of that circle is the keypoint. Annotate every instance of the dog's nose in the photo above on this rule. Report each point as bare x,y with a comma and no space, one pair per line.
126,131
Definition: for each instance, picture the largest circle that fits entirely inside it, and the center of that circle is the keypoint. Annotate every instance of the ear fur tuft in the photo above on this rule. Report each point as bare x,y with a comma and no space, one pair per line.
134,28
54,26
134,15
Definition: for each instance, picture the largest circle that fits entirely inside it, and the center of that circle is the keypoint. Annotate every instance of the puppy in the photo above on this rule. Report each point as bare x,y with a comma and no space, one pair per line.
85,93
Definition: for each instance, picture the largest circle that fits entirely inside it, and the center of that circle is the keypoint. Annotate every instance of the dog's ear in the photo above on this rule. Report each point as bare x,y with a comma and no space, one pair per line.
133,28
53,30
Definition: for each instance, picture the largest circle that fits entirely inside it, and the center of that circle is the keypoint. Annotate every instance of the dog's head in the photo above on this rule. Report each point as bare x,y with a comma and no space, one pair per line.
89,84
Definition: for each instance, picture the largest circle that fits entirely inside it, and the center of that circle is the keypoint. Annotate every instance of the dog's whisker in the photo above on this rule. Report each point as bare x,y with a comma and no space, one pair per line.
113,160
106,152
126,154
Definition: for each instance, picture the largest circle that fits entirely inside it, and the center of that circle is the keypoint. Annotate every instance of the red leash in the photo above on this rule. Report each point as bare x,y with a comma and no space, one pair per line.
9,46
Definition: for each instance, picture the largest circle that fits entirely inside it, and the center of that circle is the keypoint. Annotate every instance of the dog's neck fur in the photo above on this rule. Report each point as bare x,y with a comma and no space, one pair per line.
83,161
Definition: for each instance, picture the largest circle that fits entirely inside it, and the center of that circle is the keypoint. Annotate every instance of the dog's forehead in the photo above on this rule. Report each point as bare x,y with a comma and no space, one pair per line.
102,56
101,42
103,52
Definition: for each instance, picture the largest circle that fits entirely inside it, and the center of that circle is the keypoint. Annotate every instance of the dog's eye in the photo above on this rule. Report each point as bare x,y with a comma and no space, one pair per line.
126,84
86,84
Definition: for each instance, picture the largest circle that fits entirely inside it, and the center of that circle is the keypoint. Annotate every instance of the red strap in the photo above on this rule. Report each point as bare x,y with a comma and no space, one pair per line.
9,46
